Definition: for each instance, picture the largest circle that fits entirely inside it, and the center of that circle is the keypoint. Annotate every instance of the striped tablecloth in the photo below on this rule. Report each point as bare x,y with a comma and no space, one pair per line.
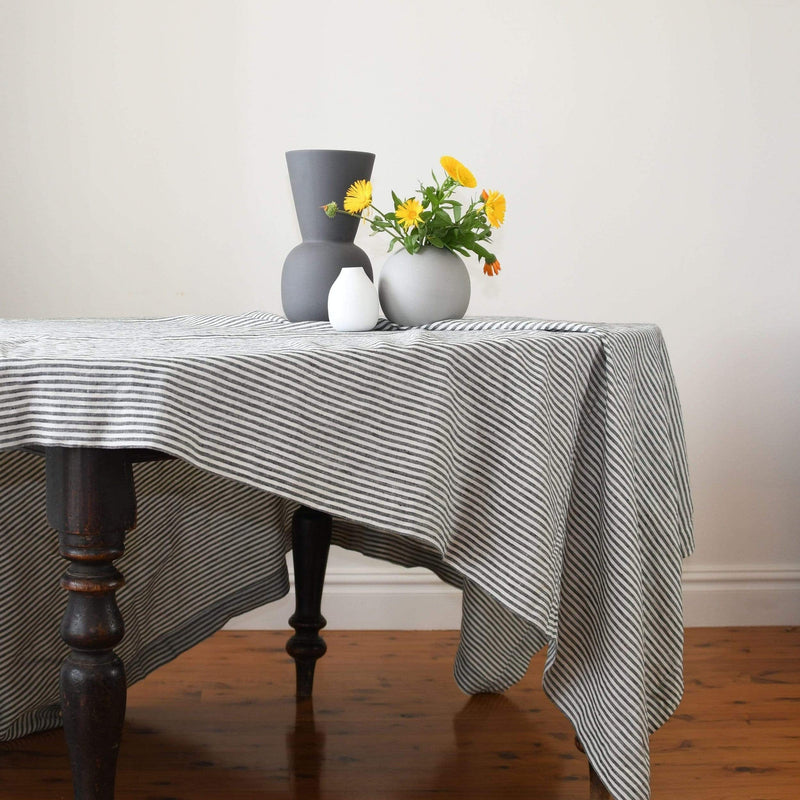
538,465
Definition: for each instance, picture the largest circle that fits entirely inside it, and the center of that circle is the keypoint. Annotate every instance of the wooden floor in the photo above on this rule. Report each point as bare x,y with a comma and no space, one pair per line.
388,722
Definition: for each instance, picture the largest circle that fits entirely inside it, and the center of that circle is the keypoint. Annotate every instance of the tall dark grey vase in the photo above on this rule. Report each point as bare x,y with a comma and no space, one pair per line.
317,178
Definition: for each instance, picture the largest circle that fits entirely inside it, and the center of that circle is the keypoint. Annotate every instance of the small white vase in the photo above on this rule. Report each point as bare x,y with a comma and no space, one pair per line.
353,301
427,286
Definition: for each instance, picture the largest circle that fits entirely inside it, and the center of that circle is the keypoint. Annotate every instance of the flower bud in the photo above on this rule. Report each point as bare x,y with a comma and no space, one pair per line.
491,267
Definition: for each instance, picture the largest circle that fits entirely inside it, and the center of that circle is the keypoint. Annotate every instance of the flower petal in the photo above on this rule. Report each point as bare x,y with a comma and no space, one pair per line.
458,172
358,197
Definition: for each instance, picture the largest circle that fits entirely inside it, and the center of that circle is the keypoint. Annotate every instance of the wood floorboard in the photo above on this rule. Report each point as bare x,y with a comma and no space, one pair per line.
388,723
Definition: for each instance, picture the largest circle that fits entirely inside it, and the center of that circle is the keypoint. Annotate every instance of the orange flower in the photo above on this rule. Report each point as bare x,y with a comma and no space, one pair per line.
491,268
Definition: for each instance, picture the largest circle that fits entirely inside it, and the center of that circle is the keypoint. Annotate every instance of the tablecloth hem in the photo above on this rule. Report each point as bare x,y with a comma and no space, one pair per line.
600,765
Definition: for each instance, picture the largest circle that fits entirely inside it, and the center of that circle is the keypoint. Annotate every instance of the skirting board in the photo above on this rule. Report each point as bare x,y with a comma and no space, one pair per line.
393,598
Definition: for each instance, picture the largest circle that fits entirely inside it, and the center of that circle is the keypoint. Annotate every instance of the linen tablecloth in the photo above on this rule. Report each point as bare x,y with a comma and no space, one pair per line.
538,465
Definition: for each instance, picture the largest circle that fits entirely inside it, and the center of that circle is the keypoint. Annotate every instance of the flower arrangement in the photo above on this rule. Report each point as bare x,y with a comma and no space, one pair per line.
433,217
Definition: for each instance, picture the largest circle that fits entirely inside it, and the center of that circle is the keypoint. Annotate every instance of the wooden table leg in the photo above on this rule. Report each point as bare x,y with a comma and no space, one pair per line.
91,503
311,541
597,791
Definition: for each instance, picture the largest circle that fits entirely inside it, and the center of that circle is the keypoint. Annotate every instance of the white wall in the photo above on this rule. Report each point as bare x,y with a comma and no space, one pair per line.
648,150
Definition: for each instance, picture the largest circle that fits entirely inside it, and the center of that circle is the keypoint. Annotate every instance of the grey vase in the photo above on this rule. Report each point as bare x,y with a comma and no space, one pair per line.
428,286
318,177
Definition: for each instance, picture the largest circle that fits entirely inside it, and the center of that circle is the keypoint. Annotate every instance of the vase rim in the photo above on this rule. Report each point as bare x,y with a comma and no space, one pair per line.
327,150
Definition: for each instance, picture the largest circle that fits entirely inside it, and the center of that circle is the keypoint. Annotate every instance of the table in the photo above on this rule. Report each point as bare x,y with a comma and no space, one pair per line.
538,465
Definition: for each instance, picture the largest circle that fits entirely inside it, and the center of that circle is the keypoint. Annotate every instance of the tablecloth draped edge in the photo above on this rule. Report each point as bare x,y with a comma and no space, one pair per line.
312,502
167,647
287,495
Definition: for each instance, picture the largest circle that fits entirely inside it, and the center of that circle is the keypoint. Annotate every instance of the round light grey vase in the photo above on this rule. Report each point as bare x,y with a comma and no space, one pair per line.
430,285
318,177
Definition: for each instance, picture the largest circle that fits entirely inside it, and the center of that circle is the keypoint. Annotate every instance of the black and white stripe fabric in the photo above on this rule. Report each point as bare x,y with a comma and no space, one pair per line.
538,465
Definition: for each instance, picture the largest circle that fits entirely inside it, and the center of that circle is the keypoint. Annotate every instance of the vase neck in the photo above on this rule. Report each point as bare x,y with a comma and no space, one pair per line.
344,237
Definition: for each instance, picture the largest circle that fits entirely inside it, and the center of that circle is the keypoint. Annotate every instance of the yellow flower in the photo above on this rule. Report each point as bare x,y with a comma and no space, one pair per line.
458,172
494,204
358,197
409,213
492,268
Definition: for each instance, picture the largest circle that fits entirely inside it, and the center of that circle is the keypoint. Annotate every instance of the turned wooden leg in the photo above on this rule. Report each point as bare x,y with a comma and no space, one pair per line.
311,540
596,789
91,503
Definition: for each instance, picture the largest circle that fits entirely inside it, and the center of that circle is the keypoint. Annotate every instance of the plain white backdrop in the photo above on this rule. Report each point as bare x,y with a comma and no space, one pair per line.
648,150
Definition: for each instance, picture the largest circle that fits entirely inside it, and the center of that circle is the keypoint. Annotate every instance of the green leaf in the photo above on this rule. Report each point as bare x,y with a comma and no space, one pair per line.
467,238
396,200
441,218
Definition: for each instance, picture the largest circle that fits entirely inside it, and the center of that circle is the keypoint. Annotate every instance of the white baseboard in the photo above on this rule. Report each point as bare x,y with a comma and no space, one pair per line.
763,595
386,597
383,597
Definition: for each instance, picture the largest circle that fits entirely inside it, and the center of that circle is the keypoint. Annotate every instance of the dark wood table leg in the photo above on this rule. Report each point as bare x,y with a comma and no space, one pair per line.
596,789
311,541
91,503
